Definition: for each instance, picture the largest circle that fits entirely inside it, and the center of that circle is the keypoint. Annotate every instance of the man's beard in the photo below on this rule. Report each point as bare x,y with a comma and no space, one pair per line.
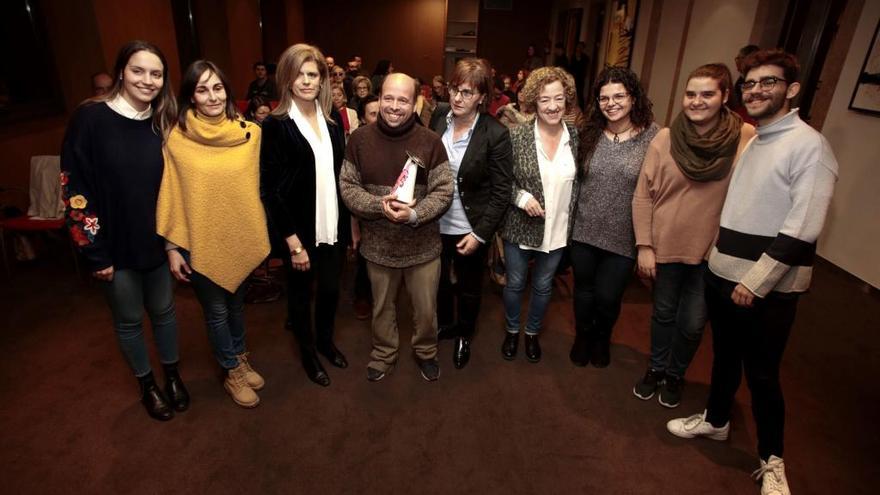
777,102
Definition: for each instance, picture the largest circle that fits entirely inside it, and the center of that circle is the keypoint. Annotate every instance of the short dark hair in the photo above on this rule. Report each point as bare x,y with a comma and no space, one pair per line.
478,73
717,71
791,69
188,83
362,106
748,50
259,63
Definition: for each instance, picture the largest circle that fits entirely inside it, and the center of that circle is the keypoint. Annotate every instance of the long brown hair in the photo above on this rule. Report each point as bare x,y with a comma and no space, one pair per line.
191,78
288,69
164,106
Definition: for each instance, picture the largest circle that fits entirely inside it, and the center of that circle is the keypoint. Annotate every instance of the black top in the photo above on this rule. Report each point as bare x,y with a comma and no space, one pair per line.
111,171
287,182
266,90
485,174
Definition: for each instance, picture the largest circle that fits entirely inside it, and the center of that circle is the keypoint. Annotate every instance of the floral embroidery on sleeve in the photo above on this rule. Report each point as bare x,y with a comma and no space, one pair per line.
82,223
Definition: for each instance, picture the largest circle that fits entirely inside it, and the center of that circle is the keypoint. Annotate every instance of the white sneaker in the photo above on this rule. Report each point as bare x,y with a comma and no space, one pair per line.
772,476
697,426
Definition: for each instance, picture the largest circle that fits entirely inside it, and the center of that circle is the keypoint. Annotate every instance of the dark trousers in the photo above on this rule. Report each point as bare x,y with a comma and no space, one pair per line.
678,317
752,339
325,273
468,287
600,277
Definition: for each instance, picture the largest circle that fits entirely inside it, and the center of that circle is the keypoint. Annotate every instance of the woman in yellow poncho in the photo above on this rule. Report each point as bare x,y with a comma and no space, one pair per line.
210,213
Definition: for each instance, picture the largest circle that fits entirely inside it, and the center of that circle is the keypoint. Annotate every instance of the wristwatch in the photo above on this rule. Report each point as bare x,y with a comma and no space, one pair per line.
297,250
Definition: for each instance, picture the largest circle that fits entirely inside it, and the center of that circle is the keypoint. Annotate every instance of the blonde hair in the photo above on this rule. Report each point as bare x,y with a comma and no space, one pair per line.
362,79
289,65
542,77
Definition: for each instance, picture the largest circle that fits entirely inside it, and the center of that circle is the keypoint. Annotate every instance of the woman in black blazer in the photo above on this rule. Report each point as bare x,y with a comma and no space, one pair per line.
479,153
301,155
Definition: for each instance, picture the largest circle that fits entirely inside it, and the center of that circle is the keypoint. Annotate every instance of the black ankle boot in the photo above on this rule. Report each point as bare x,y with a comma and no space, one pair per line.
176,392
314,370
153,399
334,355
600,354
533,348
580,350
508,347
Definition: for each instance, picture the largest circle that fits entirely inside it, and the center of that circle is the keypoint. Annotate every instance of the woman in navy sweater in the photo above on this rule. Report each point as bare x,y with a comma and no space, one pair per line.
111,167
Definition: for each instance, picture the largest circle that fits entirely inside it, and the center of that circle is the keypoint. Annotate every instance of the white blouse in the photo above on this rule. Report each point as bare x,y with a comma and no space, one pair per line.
326,206
119,105
557,179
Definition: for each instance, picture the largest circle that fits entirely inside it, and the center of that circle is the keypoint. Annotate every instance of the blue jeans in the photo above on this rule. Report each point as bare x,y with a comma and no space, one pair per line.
224,317
128,294
517,265
679,316
600,277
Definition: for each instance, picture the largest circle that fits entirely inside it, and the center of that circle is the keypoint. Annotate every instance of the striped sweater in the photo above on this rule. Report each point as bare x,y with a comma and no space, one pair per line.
775,209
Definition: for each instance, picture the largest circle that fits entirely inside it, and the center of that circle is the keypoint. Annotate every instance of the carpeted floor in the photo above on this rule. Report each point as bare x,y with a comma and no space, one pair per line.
72,422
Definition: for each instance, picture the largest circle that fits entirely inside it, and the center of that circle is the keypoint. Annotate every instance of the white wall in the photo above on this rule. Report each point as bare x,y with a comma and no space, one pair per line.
852,231
716,32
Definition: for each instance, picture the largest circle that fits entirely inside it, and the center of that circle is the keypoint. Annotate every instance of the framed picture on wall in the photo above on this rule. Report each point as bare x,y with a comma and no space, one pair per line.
866,96
621,32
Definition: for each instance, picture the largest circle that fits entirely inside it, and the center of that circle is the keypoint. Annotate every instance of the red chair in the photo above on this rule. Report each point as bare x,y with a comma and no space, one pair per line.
29,224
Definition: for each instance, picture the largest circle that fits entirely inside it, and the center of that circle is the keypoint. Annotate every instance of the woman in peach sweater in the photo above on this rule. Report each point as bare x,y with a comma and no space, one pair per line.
676,211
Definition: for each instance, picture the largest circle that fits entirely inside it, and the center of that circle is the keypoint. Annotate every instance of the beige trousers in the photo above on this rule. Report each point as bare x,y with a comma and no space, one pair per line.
421,284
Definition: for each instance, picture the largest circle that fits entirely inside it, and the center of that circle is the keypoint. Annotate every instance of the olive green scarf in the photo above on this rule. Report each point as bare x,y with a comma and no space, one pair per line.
709,157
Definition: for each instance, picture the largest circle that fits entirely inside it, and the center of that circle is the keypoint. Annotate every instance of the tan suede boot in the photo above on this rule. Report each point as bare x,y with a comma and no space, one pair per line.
236,385
254,380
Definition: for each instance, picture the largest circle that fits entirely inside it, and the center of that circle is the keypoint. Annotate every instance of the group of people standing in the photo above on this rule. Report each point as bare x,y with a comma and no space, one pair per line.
721,218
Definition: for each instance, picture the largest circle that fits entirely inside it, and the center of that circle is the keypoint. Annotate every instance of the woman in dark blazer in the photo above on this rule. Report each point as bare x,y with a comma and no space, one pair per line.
478,147
300,159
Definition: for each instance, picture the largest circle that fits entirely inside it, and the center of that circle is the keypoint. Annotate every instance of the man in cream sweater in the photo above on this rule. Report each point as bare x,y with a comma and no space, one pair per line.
774,211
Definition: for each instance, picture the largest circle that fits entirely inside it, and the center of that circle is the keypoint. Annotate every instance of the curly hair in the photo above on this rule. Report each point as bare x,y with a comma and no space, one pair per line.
641,114
540,78
791,69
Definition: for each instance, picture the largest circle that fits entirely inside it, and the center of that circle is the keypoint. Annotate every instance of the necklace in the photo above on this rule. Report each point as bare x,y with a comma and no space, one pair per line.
617,134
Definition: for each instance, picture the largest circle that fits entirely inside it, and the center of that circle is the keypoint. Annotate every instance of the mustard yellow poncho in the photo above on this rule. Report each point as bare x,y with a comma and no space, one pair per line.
209,200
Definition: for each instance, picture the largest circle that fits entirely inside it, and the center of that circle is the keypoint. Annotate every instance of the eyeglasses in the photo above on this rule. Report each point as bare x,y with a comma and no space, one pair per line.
466,94
617,99
337,74
766,83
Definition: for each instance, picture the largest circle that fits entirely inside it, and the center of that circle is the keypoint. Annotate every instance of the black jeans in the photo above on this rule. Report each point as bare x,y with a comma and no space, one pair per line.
678,317
467,290
325,274
752,339
600,277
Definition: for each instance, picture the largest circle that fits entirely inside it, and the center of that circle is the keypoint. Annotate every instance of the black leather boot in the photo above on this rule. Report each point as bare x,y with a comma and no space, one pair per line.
314,370
461,352
533,348
153,399
334,355
580,350
175,391
508,348
600,354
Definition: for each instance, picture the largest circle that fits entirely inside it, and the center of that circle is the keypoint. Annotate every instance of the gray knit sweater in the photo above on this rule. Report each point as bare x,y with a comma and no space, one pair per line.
604,209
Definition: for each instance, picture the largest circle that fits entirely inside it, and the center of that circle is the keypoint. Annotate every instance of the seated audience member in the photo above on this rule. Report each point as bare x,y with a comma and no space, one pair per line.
337,77
331,63
347,115
102,83
263,86
383,68
498,99
762,261
368,111
401,240
257,110
362,88
544,191
676,209
438,90
479,154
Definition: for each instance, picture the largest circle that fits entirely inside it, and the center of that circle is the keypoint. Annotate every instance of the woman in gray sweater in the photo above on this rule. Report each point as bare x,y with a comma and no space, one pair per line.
602,247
